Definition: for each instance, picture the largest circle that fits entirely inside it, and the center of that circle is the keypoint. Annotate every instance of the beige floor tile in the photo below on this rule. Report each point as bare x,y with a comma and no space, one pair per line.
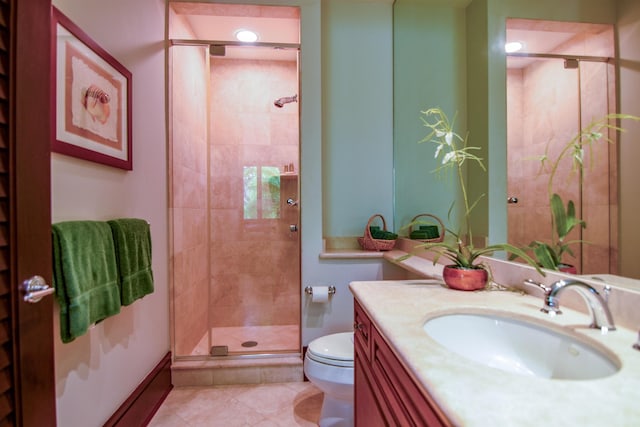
265,405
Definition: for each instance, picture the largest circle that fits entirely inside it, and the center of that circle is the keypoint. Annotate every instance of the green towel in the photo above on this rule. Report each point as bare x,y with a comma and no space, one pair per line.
85,275
132,238
376,233
425,232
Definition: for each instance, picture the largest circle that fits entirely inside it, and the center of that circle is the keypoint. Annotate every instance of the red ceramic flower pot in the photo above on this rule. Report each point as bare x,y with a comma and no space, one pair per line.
567,268
465,279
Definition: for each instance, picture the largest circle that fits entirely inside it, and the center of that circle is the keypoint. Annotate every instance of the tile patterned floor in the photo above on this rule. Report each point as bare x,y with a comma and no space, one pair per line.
264,405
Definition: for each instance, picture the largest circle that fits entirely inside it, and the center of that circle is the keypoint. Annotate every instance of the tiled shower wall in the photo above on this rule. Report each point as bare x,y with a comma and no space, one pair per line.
543,106
188,195
255,268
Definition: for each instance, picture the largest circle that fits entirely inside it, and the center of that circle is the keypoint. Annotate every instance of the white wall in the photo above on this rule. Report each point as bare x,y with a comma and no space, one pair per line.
98,371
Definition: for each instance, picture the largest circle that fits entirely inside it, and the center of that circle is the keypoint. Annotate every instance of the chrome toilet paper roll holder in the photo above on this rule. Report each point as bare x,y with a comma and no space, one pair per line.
309,290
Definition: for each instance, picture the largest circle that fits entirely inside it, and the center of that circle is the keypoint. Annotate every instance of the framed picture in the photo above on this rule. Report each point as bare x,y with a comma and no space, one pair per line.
92,98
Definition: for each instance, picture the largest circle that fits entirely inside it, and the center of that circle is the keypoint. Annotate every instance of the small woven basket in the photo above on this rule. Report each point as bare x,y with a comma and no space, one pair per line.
368,243
434,240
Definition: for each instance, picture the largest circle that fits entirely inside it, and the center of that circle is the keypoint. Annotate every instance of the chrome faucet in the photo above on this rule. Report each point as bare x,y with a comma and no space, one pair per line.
598,307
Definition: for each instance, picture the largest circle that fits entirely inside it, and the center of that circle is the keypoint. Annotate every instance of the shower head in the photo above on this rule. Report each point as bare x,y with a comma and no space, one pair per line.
285,100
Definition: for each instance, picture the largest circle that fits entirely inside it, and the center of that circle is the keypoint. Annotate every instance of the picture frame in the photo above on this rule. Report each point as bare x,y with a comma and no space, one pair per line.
92,98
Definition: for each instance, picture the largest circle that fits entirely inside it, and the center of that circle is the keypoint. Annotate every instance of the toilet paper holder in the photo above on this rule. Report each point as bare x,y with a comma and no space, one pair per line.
309,290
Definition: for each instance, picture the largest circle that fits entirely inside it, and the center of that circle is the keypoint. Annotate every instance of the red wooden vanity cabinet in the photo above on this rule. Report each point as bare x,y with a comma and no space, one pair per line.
385,394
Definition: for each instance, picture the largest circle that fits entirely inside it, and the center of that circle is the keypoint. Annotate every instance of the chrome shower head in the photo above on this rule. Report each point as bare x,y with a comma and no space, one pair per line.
285,100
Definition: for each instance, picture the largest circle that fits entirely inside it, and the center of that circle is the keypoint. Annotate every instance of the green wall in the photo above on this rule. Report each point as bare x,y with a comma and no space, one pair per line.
357,146
429,71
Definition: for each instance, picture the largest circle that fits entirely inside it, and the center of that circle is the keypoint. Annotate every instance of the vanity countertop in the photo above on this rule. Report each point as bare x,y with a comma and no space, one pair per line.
473,395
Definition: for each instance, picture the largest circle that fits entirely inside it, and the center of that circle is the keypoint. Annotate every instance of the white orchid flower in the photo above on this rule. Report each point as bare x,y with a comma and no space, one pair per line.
438,151
449,138
448,157
439,133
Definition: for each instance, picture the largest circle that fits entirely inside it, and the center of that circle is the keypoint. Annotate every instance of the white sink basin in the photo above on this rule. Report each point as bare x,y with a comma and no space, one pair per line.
518,346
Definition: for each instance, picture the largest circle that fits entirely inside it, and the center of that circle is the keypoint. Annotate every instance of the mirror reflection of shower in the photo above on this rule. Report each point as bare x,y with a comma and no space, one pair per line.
562,79
285,100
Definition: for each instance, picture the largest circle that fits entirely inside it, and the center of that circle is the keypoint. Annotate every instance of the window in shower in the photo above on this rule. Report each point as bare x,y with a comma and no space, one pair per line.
261,192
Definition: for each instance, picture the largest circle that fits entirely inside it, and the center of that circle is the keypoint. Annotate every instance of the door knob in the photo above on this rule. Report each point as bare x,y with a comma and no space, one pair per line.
512,200
35,288
293,228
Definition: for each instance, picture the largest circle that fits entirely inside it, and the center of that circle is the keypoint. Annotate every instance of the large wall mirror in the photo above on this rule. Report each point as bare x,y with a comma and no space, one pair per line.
569,73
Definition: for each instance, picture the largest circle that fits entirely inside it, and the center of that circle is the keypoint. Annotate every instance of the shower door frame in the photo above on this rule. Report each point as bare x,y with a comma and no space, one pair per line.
249,354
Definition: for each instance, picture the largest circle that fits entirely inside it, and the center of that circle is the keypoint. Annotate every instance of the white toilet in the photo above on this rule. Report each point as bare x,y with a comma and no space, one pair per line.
328,364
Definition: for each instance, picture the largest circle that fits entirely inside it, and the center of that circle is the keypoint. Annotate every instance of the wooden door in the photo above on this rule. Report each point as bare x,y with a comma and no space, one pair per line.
27,384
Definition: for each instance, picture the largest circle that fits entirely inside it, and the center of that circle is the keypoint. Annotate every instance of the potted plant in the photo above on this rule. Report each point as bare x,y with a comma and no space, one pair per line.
465,271
550,254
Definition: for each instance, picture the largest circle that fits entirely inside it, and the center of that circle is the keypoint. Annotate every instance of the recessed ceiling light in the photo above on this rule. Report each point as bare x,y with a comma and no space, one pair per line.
513,47
247,36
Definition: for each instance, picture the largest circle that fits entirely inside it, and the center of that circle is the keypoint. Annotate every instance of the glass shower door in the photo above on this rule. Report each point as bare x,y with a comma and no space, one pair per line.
254,286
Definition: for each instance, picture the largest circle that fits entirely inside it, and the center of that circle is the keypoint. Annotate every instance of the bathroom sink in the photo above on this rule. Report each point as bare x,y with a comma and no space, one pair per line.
519,346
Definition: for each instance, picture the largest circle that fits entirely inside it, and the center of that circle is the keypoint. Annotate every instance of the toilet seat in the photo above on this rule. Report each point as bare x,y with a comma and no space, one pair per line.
334,349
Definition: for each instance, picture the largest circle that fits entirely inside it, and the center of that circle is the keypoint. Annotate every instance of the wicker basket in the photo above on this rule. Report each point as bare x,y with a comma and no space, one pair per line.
368,243
434,240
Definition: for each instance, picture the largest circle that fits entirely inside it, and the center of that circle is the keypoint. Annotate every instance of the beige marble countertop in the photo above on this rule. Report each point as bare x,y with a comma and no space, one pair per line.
474,395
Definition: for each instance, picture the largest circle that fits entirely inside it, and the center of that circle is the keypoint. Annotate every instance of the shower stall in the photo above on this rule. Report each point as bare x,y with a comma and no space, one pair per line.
234,168
563,81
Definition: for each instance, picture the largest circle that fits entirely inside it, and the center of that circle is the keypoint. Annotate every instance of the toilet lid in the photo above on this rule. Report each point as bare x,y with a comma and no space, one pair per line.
333,348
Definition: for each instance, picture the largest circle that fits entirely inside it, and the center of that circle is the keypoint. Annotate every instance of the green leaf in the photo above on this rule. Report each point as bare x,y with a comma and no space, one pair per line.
546,257
559,215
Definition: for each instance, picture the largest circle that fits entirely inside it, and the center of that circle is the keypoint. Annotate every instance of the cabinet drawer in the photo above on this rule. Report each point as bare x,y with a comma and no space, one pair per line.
362,330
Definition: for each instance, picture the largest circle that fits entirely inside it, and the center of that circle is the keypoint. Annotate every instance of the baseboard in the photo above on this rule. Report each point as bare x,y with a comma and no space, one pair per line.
143,403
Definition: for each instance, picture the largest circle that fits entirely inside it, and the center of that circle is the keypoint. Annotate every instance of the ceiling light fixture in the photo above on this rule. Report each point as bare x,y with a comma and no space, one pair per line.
246,36
513,47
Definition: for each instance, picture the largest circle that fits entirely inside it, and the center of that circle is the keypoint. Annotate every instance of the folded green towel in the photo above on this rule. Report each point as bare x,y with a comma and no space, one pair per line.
132,239
418,234
376,233
426,232
85,275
